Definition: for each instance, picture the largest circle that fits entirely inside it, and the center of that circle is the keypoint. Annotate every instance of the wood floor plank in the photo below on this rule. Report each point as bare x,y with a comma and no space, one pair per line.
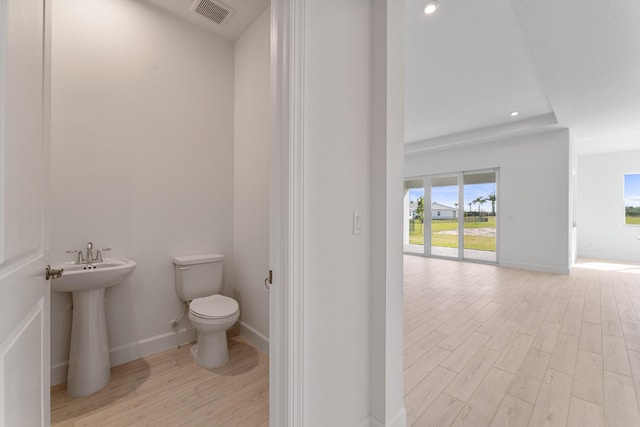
589,377
615,355
591,337
487,311
552,405
484,403
532,323
441,414
512,412
414,336
418,400
611,324
547,336
563,357
572,323
585,414
631,332
591,312
514,354
528,380
620,404
468,380
422,347
626,311
460,335
459,358
414,374
634,360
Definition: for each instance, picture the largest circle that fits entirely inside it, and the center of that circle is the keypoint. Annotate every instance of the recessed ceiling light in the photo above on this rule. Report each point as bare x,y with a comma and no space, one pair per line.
514,113
431,6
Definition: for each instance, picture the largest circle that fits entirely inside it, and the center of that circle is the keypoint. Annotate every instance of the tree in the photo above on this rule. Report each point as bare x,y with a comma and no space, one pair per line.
420,209
479,201
492,199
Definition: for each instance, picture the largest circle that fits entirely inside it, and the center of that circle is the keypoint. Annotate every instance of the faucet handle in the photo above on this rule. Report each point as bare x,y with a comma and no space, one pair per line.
80,256
99,254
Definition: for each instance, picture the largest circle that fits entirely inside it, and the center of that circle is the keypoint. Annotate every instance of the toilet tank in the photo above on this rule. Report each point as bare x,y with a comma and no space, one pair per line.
198,275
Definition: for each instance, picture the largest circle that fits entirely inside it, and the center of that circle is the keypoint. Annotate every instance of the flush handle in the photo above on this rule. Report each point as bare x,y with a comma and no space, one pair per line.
52,273
183,268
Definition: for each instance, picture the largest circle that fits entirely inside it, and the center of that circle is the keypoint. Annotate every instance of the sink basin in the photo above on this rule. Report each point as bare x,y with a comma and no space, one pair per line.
89,364
86,277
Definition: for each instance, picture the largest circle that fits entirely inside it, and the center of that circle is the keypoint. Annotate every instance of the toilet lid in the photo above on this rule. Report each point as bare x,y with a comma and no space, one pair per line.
213,307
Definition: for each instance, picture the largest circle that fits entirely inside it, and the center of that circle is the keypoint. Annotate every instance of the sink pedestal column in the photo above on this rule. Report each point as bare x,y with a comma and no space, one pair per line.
89,364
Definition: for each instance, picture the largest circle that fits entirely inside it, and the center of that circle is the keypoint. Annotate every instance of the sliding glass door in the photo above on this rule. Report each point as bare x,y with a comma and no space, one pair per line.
456,215
480,195
414,216
444,216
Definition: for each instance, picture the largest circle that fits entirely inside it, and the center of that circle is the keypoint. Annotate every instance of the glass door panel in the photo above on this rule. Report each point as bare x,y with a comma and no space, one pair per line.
414,216
480,202
443,214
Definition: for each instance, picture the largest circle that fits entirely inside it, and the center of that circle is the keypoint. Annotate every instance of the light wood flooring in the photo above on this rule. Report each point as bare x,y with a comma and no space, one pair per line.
486,345
169,389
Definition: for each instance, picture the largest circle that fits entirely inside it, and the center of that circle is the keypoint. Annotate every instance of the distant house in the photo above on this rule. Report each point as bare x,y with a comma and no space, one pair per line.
439,211
413,207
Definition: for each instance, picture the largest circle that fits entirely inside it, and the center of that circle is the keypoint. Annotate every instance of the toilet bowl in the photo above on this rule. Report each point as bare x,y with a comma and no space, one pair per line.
198,283
211,317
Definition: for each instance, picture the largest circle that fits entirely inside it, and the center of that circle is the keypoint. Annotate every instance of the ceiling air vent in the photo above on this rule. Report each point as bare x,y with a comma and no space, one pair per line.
215,11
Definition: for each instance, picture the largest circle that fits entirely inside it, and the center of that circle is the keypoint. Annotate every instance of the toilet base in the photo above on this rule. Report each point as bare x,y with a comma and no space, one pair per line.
211,350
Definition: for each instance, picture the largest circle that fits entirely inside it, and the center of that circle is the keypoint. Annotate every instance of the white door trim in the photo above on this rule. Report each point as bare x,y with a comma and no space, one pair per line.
287,219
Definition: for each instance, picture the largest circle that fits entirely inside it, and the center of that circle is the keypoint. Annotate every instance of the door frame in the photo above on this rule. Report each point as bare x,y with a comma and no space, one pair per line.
286,242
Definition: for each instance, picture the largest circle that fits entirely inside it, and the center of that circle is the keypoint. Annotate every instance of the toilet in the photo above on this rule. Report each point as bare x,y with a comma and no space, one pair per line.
198,282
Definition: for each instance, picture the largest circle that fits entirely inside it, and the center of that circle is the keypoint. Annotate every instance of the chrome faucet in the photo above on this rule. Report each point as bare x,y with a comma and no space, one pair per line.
89,258
90,252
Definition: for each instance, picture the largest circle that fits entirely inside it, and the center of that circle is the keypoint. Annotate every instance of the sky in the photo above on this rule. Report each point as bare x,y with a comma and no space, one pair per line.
449,195
632,189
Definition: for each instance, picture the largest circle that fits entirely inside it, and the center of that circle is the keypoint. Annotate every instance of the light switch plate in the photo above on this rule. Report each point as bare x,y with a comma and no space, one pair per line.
357,223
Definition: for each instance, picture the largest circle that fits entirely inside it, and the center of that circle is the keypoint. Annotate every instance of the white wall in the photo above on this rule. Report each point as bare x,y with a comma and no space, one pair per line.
252,124
337,155
600,207
533,197
142,159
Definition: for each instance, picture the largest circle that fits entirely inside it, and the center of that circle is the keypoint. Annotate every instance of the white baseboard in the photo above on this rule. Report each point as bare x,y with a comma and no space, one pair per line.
607,256
59,373
535,267
132,351
253,336
400,420
137,349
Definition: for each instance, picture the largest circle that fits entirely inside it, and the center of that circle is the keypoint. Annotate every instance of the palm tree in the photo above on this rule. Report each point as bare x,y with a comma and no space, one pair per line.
479,201
492,199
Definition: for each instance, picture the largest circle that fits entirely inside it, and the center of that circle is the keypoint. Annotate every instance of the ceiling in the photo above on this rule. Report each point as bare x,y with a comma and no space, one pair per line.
563,63
245,12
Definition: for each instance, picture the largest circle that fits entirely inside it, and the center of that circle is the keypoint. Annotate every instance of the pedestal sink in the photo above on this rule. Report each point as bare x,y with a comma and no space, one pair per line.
89,365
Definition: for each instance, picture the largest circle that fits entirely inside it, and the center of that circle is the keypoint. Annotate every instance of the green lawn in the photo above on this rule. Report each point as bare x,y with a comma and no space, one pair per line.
482,243
635,220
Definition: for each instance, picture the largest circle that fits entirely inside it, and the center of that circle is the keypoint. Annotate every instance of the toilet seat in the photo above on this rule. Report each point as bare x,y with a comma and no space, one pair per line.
213,307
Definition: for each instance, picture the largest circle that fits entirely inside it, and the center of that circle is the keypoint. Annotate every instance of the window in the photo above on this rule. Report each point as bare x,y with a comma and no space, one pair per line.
632,199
